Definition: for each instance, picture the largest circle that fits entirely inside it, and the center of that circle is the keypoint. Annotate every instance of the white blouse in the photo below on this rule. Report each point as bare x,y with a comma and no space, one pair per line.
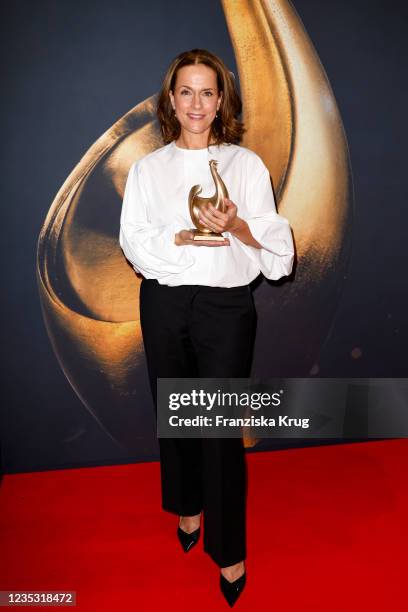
155,208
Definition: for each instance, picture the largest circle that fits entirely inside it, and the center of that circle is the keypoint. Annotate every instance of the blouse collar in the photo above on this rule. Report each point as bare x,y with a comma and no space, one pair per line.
211,149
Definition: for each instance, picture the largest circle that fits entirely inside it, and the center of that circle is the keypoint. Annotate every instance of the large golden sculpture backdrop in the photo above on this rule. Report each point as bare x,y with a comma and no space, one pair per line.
89,293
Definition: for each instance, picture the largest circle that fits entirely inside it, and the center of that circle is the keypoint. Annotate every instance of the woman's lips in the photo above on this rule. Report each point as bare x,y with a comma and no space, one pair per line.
196,117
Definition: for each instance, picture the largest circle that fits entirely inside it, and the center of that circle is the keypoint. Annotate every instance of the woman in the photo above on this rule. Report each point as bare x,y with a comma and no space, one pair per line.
196,308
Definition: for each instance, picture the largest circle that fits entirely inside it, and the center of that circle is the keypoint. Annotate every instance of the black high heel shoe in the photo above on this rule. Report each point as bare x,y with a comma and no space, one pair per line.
232,590
188,540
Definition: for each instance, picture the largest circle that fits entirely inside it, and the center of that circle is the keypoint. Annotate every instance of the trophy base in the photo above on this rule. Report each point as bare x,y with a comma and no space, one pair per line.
204,236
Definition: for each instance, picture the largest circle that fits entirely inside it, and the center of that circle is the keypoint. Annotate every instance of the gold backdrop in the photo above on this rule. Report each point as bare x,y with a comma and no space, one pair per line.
89,293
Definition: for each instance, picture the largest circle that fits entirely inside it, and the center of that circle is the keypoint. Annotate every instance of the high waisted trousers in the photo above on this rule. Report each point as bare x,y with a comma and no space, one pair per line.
192,331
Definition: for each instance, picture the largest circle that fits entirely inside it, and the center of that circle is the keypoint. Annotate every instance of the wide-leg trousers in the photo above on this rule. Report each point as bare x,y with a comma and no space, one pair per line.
192,331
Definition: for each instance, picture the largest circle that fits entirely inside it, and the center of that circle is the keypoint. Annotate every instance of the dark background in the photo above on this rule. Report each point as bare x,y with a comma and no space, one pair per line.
70,70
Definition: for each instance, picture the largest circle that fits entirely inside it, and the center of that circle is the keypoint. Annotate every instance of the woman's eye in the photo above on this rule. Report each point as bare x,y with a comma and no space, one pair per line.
206,93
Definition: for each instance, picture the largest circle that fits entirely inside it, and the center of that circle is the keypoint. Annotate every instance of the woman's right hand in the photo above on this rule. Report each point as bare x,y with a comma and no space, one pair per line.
187,237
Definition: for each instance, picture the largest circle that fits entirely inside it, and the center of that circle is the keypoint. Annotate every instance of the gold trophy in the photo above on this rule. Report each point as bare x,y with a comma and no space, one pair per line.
196,203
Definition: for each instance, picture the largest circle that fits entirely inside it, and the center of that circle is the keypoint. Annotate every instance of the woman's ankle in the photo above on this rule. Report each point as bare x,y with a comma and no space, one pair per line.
233,572
190,523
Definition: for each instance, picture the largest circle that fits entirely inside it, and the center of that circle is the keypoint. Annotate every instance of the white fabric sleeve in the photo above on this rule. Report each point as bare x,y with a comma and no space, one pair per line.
270,230
150,249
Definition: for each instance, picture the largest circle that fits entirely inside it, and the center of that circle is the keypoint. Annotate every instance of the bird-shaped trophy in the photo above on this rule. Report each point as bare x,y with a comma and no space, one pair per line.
196,203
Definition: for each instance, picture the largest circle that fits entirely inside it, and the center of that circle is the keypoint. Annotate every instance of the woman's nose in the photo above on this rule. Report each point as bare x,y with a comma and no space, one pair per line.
197,101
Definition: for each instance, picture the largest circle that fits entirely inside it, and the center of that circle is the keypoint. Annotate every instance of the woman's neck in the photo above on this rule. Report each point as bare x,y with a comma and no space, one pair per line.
187,142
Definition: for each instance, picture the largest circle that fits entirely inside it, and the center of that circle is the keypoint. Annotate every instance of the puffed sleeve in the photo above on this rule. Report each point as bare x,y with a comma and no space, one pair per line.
149,248
271,230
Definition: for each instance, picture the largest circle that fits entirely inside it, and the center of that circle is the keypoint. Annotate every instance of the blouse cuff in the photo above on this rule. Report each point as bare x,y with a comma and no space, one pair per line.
275,258
153,252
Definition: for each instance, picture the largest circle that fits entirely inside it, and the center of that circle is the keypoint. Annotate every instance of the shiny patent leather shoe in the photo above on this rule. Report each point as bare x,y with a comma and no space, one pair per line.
232,590
188,540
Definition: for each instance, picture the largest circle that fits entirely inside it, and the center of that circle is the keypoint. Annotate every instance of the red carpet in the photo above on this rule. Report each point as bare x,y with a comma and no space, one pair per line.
327,531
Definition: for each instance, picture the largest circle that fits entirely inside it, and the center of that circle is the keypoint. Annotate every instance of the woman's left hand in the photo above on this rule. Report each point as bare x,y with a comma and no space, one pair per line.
218,221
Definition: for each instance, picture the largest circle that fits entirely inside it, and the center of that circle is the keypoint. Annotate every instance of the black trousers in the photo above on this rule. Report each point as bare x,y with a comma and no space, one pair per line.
193,331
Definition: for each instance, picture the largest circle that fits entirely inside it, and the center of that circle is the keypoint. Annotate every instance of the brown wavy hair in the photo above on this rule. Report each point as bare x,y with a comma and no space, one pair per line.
226,127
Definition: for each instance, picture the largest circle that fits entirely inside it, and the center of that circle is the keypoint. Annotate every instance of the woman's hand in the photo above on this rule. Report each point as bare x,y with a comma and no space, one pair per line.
187,237
228,221
218,221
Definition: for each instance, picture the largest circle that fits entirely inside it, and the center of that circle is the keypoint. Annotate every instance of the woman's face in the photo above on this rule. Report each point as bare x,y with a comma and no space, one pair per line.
196,98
